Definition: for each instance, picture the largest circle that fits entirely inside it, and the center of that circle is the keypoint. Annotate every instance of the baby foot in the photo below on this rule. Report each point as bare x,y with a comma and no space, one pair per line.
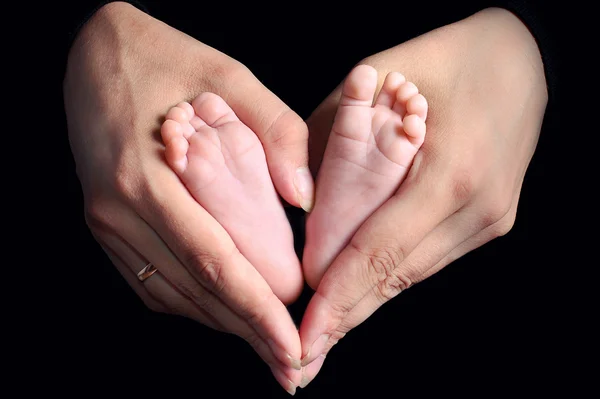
223,165
369,152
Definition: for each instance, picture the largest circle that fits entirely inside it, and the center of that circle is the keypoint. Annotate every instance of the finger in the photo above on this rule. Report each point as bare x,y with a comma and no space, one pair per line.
497,229
440,247
491,232
376,250
157,288
198,242
310,371
169,301
133,281
283,380
136,235
452,233
284,136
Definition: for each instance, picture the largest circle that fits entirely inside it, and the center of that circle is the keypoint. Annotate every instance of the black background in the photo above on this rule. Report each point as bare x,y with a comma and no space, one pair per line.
494,322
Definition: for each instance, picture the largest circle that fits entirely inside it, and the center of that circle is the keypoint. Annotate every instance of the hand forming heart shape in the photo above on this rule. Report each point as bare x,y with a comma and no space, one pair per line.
367,239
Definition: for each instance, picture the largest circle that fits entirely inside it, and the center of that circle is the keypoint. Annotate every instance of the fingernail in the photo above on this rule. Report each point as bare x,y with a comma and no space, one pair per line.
315,350
294,363
310,372
305,188
285,382
291,389
283,356
305,381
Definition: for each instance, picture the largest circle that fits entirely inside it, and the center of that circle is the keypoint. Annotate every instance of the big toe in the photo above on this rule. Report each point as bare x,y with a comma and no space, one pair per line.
359,86
213,110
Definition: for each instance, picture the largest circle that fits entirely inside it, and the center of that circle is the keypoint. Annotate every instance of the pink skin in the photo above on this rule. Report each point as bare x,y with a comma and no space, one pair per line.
369,152
223,165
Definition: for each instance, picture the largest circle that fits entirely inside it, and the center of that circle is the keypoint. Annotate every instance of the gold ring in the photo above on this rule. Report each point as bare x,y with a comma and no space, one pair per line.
147,271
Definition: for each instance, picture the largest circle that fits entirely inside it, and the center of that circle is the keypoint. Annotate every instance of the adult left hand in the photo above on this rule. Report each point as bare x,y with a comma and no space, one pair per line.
484,81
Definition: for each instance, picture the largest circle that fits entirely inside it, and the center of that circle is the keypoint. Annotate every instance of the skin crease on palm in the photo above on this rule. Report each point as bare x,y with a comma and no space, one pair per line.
464,183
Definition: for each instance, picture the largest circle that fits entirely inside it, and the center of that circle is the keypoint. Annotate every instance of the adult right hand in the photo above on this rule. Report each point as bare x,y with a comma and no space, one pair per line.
125,70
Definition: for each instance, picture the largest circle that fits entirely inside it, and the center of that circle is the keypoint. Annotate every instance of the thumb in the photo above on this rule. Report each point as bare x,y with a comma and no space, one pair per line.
286,147
284,136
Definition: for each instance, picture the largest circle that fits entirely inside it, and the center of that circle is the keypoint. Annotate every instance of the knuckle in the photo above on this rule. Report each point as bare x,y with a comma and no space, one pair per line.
337,336
494,213
333,341
462,185
97,214
383,261
383,265
287,129
224,75
125,182
196,294
208,268
343,304
392,286
504,225
231,69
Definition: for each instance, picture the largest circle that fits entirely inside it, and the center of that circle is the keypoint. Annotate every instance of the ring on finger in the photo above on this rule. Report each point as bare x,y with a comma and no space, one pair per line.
147,271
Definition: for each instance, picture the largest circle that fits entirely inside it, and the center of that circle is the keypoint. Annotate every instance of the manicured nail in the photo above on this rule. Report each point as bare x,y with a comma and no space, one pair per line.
305,381
291,389
305,188
316,349
285,382
310,372
294,363
283,356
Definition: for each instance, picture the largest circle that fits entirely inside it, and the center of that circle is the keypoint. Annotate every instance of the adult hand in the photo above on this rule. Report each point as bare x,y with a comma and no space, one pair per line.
483,78
125,70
